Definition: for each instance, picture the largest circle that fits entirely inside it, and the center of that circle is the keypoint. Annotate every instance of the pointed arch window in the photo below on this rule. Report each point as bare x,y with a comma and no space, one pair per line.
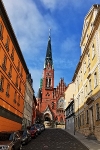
48,82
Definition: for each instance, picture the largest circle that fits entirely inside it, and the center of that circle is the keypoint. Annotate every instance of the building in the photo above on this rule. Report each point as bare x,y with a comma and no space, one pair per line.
69,111
13,71
87,77
52,99
28,102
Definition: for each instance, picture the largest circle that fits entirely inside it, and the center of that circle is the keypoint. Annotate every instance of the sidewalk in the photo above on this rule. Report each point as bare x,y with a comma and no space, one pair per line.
90,144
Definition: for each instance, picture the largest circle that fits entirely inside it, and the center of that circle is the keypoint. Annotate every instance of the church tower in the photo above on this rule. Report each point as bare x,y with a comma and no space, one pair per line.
48,78
51,100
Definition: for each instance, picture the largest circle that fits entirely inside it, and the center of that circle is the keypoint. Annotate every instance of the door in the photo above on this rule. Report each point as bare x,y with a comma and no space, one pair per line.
91,119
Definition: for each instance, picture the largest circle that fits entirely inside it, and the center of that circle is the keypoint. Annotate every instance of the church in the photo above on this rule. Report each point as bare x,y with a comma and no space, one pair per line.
50,100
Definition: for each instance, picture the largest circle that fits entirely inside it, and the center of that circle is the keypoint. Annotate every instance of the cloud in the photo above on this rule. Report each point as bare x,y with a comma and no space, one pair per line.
60,4
29,24
69,44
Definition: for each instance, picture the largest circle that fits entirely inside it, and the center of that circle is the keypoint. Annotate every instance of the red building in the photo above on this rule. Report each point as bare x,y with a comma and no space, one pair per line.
51,100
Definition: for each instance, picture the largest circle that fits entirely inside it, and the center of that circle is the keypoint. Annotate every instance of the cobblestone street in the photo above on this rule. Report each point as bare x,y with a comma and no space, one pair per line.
55,139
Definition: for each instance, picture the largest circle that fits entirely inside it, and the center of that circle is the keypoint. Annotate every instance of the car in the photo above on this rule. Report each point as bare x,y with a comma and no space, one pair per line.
38,127
25,136
10,141
42,127
33,132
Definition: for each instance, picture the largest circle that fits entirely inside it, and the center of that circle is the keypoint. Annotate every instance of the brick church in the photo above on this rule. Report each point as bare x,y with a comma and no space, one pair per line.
50,100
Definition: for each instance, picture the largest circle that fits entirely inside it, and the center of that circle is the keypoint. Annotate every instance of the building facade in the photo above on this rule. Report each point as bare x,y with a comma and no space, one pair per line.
69,111
52,99
13,71
87,77
28,102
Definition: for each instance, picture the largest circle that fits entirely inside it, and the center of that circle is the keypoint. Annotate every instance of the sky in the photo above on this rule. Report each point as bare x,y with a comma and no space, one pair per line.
31,21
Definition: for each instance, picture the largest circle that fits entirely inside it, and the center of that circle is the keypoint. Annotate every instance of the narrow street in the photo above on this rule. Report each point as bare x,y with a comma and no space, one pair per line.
54,139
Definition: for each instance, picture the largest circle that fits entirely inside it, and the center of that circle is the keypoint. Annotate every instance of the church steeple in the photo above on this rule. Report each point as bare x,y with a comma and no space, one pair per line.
48,58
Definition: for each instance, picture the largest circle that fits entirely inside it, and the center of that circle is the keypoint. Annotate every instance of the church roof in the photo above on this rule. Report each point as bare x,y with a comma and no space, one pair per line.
39,95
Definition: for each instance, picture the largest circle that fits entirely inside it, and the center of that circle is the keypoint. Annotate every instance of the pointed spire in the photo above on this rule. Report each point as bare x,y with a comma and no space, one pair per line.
48,59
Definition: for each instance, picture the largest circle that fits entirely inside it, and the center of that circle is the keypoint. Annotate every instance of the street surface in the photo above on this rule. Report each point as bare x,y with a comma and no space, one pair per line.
54,139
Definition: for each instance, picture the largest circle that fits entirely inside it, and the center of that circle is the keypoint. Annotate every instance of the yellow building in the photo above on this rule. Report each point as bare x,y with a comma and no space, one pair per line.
87,77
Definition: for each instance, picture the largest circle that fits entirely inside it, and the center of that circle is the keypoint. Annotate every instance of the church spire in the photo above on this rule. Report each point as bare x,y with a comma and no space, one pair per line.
48,58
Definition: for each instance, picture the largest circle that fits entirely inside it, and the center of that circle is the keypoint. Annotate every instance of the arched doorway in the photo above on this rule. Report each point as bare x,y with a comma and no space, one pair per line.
47,117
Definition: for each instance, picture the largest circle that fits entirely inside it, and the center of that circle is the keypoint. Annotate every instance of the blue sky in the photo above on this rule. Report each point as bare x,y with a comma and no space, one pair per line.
31,20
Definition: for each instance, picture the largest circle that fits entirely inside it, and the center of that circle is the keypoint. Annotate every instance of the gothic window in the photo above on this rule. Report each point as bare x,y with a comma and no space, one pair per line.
7,44
95,80
8,89
1,83
48,82
4,63
97,112
1,31
52,105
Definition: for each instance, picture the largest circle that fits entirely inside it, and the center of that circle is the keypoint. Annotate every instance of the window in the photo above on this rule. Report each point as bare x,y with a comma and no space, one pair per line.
52,105
1,84
7,44
4,63
7,90
15,95
84,67
93,51
18,101
97,112
1,31
95,80
12,54
88,59
48,82
10,71
20,86
16,81
18,67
